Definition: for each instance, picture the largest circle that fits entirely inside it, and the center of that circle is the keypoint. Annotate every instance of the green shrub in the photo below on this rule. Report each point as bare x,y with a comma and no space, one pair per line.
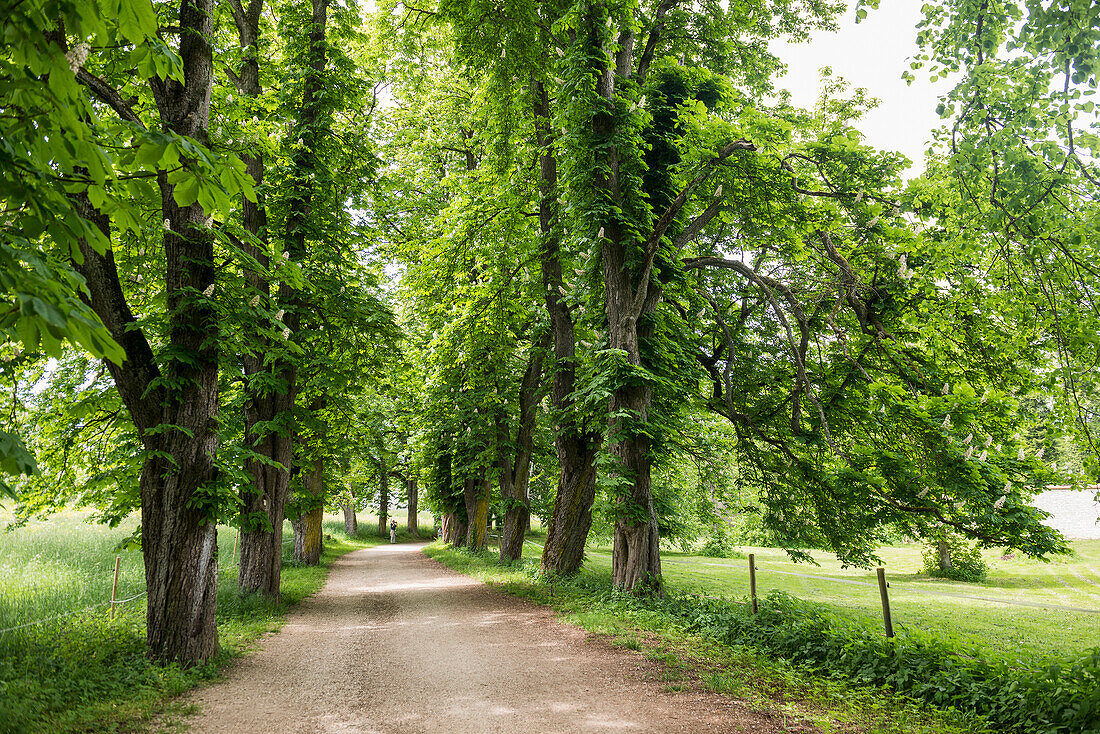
966,560
719,545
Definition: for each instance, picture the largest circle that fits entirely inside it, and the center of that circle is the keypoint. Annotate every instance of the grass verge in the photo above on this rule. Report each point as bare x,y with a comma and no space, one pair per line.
690,659
84,672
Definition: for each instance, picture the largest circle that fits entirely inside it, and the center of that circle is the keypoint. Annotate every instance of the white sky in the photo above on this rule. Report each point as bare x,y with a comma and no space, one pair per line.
872,55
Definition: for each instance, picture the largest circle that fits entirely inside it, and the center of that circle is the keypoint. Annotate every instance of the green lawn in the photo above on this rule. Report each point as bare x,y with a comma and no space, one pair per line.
998,628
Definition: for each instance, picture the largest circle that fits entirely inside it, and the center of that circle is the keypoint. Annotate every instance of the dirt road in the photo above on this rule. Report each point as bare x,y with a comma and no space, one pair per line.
395,642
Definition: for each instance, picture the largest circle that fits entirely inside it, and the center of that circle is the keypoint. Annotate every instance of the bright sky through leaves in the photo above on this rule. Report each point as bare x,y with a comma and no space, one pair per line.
873,55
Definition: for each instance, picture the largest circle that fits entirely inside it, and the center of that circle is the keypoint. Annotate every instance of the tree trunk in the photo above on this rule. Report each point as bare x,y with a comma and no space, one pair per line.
351,523
383,495
454,530
179,538
475,491
308,543
943,550
575,442
629,299
412,495
515,476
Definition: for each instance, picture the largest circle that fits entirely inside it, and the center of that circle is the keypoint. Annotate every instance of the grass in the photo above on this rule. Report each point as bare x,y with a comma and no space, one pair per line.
1003,629
690,662
79,671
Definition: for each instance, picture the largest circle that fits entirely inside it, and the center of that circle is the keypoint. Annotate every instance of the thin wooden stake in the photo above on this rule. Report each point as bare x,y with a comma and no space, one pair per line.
114,586
235,539
752,581
882,586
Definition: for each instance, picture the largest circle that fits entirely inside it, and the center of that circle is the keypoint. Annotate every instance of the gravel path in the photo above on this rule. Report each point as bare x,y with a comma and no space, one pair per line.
396,642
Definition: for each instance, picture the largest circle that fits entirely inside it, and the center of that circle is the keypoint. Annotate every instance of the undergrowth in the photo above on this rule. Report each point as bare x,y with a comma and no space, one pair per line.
1026,694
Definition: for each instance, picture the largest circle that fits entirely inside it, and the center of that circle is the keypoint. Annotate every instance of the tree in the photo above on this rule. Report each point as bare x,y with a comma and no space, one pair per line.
172,397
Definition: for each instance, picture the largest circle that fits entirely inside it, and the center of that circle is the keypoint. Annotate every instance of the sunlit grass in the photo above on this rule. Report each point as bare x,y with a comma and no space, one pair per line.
989,626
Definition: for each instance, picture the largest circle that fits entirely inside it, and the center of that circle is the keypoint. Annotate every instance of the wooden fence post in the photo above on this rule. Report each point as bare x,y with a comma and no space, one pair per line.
882,586
752,581
114,586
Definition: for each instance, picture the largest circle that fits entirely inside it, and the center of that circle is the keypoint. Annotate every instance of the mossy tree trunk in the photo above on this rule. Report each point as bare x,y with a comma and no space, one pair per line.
577,443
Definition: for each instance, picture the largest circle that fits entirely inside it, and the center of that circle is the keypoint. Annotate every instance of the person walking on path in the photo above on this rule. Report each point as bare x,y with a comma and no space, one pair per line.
393,531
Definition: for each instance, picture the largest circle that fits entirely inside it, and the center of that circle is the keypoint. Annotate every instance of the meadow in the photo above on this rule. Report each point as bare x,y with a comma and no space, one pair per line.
1025,606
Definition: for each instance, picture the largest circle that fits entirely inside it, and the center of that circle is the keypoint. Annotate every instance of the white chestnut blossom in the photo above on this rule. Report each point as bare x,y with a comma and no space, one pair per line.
209,290
77,55
1000,502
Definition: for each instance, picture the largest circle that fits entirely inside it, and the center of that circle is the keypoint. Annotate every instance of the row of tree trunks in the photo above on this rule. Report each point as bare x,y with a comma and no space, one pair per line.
576,443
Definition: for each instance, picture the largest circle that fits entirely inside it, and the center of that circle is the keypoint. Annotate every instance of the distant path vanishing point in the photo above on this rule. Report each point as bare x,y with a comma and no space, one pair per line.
396,642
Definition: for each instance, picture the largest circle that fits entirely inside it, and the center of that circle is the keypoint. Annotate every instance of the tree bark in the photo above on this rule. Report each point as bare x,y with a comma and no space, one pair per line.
351,523
454,530
629,298
576,443
475,492
412,497
515,473
943,550
308,543
383,495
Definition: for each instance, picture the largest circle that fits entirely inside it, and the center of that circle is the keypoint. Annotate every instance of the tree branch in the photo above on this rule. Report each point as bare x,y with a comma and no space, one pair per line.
109,96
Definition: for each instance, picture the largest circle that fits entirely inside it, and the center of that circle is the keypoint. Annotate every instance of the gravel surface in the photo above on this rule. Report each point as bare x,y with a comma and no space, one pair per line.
396,642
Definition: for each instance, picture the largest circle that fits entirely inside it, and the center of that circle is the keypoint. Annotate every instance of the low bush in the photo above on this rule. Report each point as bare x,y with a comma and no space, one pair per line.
966,561
719,546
